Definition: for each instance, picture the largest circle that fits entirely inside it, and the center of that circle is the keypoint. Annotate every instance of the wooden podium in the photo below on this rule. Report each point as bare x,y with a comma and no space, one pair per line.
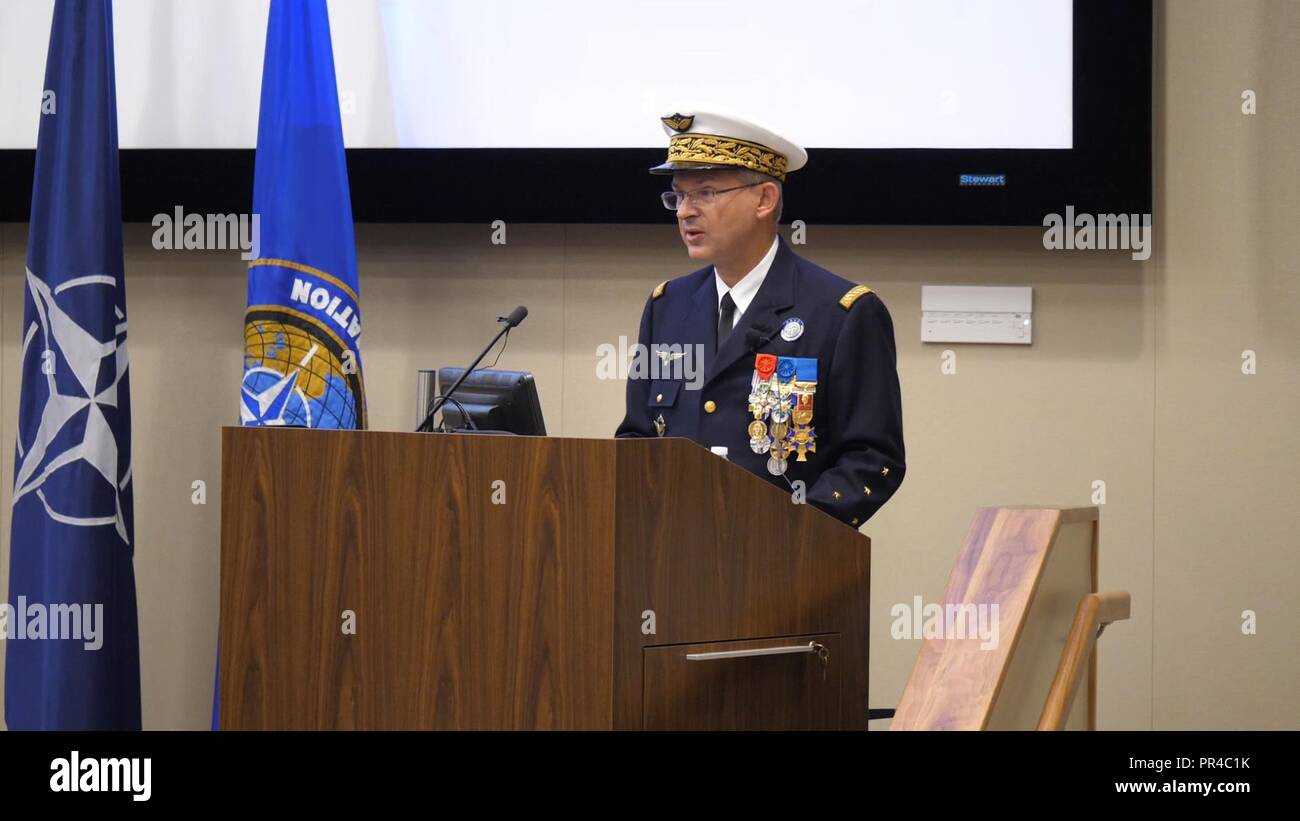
437,581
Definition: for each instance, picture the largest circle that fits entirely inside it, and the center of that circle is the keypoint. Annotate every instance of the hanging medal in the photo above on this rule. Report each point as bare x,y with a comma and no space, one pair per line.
804,387
760,398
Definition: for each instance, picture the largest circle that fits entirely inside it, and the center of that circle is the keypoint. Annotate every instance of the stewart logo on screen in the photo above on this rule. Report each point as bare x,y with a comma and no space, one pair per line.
982,179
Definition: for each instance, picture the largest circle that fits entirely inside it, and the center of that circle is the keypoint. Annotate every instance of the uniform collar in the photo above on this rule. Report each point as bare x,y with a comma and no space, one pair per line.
763,319
742,293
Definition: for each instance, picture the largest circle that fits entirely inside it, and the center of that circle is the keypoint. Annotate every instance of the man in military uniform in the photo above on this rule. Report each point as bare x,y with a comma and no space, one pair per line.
799,377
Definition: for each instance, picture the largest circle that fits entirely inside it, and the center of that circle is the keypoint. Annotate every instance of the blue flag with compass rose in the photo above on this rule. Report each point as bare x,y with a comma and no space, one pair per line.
302,361
71,636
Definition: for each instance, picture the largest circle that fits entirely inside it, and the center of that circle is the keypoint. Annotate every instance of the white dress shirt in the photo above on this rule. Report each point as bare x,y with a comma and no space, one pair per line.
743,292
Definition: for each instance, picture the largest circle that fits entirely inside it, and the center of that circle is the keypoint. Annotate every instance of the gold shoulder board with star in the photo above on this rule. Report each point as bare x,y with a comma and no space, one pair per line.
852,295
659,290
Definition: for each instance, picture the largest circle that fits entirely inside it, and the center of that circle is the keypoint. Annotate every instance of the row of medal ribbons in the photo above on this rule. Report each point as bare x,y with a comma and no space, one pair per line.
781,402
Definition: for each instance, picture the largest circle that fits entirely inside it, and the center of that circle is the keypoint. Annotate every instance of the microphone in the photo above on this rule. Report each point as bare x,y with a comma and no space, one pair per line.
758,336
516,316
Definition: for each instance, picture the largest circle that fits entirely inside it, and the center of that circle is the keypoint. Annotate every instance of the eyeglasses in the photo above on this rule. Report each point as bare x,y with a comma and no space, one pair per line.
673,200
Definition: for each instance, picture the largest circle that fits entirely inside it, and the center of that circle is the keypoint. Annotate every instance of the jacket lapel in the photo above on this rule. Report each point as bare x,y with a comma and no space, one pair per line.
763,317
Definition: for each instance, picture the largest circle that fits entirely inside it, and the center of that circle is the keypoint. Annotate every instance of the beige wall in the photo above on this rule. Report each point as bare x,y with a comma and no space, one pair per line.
1133,378
1227,447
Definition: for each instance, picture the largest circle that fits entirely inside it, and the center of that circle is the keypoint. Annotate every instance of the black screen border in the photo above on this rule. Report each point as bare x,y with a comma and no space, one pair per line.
1108,170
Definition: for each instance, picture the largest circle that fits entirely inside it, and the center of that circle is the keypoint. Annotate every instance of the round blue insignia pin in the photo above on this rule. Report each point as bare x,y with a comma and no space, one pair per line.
792,329
785,370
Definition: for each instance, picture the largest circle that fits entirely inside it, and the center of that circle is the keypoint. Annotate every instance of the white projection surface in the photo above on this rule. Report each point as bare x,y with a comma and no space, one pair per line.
586,73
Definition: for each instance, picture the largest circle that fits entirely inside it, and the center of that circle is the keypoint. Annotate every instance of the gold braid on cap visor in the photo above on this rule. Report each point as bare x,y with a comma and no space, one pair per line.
704,148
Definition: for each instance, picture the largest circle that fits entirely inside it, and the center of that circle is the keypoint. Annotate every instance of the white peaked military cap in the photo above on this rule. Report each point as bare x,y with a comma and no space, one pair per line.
712,138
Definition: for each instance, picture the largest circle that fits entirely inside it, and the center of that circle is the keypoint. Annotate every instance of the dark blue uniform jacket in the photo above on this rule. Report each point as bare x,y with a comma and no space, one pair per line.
857,409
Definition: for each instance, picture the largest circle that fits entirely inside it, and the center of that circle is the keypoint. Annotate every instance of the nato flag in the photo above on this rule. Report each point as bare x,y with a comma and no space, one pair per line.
71,635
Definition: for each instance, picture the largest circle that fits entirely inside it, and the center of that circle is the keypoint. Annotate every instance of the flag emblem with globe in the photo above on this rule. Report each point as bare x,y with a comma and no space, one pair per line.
297,373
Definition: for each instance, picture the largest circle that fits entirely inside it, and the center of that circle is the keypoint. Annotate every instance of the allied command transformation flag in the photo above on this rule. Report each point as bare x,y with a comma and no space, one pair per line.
71,636
302,364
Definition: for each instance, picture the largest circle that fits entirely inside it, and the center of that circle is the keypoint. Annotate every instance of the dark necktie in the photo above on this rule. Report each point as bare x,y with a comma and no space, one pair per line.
726,318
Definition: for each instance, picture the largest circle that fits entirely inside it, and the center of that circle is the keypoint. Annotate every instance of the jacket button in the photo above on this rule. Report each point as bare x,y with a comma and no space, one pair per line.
659,398
710,406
